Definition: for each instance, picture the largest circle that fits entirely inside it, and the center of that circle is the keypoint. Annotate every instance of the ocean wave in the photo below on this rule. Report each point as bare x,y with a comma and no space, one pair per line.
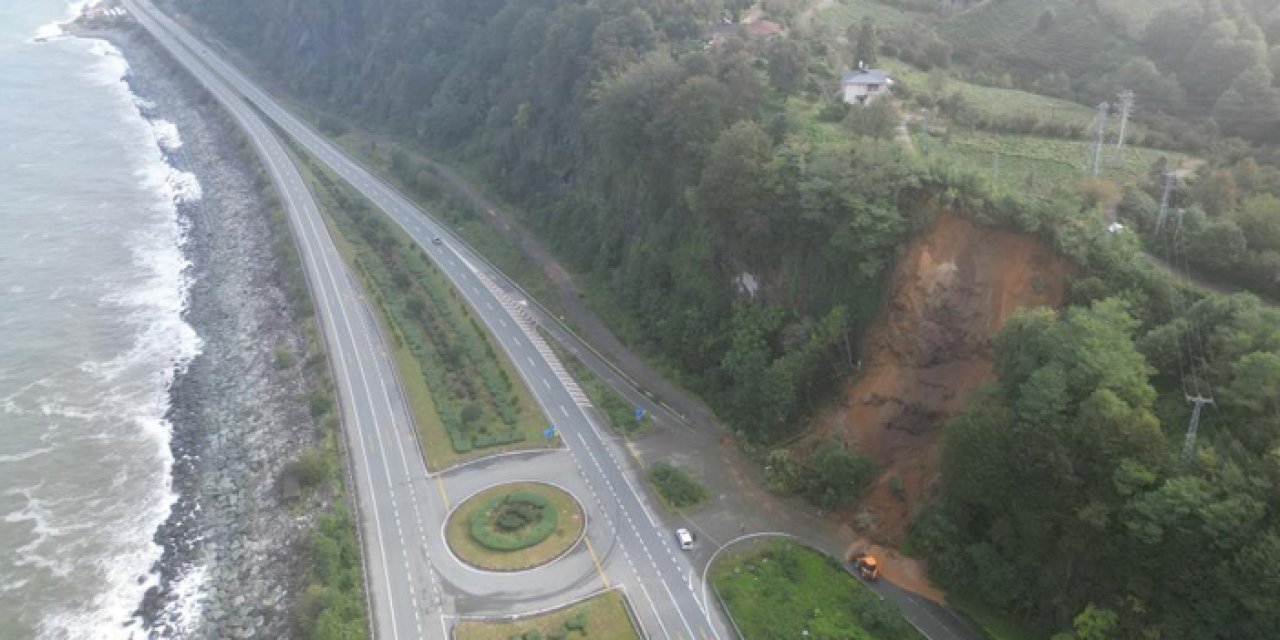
184,613
137,379
37,512
24,455
166,134
54,29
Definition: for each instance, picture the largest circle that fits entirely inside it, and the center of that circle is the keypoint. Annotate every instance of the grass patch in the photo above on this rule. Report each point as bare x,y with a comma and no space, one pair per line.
602,616
480,508
995,102
466,397
994,624
781,590
843,13
677,487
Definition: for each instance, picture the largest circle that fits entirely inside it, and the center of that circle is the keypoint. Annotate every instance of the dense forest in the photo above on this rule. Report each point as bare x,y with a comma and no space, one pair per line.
644,156
751,257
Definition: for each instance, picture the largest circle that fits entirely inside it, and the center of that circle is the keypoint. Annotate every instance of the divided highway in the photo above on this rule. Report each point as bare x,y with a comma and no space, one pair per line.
415,584
379,434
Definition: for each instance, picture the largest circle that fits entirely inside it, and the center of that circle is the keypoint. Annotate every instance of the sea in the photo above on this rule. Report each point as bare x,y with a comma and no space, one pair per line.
93,287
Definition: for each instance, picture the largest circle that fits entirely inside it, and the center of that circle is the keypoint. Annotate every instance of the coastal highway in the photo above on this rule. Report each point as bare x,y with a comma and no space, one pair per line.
371,405
413,580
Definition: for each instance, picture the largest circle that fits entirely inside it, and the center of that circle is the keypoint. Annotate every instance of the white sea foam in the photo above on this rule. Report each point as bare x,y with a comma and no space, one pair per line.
184,613
166,134
153,303
36,511
54,29
24,455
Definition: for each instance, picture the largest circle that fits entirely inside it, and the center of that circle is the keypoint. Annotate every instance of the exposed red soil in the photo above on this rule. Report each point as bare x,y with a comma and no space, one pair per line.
951,291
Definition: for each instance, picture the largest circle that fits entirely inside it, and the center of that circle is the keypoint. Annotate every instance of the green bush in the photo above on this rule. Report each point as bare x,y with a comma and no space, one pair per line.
836,476
515,521
577,622
676,486
311,468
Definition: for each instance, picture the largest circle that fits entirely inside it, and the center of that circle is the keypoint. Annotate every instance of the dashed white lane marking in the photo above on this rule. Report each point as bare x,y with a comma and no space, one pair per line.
546,384
564,411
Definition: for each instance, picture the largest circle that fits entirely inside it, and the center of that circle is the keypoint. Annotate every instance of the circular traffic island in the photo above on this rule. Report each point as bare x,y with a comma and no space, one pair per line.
515,526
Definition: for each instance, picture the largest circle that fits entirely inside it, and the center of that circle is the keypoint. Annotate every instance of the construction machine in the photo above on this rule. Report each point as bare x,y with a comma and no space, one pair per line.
866,566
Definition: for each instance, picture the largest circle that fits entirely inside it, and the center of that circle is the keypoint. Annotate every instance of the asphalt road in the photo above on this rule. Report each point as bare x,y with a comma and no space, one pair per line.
383,457
415,584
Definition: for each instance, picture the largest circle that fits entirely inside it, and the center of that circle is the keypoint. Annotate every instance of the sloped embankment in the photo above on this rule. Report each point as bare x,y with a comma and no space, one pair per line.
952,290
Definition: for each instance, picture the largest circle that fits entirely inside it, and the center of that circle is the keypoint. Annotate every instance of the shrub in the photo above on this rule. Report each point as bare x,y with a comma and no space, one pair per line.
515,521
836,476
311,468
319,403
676,486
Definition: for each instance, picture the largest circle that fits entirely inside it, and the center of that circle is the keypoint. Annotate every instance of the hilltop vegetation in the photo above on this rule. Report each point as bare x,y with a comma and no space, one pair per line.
744,222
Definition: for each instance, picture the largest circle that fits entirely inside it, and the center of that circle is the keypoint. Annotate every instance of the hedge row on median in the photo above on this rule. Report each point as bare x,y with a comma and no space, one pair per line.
514,521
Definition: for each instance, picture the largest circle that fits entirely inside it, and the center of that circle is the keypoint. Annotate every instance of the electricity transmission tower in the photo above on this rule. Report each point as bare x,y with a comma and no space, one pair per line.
1170,178
1198,401
1099,136
1126,108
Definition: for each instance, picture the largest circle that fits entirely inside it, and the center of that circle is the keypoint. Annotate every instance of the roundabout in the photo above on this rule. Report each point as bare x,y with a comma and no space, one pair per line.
514,526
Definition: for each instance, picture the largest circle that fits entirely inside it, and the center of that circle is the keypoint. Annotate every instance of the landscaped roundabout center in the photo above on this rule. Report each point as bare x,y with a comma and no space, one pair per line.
515,526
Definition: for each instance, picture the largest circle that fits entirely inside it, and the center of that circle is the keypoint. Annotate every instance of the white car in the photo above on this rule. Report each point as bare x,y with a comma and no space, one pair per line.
684,538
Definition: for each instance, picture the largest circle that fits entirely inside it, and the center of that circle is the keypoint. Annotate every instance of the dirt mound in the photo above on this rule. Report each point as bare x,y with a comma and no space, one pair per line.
951,291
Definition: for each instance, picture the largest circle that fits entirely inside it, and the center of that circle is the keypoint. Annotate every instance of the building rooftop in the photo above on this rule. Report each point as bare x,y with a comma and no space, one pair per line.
865,76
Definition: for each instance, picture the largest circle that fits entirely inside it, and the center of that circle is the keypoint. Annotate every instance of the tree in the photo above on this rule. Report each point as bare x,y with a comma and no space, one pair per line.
731,192
788,65
1259,219
877,120
1216,192
865,43
1046,20
838,476
1250,107
1216,59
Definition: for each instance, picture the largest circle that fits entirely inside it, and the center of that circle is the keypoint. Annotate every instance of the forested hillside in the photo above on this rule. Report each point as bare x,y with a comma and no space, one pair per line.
666,167
746,221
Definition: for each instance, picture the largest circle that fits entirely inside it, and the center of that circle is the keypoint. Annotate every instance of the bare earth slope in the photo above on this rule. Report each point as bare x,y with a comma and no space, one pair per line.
953,288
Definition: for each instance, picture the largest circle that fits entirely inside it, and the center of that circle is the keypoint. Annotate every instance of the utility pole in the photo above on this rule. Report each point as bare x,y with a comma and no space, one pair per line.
1126,108
1170,178
1198,402
1099,135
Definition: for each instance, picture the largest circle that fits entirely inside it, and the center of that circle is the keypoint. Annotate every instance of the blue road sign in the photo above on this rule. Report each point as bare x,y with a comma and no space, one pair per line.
639,414
550,432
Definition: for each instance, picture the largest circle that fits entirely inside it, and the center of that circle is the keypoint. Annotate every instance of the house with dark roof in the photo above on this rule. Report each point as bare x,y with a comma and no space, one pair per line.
864,85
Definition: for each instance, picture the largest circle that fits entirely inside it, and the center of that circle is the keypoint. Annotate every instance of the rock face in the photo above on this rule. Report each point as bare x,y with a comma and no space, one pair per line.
239,413
951,291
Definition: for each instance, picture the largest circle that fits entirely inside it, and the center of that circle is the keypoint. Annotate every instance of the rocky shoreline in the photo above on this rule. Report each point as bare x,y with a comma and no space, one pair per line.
234,561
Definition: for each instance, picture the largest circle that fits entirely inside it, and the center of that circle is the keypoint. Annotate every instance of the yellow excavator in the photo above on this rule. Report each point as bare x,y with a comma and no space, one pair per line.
866,566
